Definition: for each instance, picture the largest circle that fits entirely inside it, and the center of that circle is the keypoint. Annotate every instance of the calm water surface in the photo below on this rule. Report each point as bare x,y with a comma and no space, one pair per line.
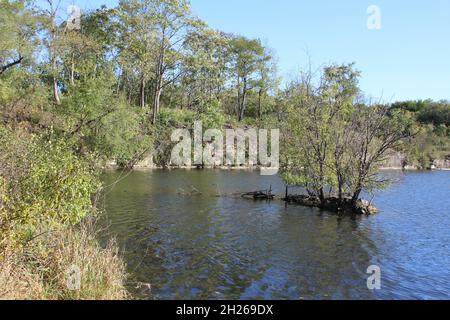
215,245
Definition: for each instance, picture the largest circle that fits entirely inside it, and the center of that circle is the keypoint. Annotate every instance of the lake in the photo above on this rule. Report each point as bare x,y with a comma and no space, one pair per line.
190,236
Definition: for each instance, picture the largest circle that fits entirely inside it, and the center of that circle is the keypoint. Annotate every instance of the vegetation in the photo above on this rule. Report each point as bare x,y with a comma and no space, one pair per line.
432,131
105,85
334,145
113,89
45,198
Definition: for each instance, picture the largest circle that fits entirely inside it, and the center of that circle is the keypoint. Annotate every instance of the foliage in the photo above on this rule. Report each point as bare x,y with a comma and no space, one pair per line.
168,120
332,144
431,139
45,196
211,116
427,112
44,182
116,89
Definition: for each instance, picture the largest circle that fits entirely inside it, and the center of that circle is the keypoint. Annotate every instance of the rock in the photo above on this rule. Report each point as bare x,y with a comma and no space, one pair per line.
441,164
396,160
364,207
146,163
111,165
411,168
364,203
371,210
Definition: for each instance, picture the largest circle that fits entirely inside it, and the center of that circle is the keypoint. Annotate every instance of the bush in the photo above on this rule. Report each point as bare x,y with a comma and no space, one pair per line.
212,116
124,135
45,196
44,182
175,118
168,120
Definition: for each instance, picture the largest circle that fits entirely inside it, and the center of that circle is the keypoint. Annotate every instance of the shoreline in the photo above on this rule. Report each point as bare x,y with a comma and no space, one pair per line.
255,168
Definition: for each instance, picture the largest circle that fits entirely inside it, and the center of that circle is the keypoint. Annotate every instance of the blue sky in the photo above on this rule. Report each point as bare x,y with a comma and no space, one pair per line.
408,58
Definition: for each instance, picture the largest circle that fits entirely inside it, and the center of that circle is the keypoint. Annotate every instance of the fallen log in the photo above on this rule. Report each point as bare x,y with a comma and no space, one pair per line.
259,195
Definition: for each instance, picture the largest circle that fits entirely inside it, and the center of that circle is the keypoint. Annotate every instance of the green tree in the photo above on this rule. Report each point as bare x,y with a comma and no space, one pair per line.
314,138
205,67
246,56
267,78
333,142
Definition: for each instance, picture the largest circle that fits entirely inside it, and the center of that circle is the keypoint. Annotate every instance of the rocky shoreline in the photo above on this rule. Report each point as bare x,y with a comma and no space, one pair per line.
398,161
395,162
148,164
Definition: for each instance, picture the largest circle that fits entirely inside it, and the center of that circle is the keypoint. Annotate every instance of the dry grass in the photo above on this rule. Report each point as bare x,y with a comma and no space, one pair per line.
16,280
41,269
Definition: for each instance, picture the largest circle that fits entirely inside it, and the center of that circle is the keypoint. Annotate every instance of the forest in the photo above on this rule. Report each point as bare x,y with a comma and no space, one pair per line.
114,87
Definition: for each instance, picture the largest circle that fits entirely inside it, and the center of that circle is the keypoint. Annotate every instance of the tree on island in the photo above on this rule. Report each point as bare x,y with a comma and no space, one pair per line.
333,145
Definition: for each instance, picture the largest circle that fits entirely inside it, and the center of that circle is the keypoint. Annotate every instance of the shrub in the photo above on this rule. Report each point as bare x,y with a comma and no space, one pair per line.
45,195
44,182
212,116
124,135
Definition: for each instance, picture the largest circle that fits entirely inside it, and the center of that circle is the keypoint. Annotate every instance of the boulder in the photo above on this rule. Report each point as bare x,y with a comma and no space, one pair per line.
364,207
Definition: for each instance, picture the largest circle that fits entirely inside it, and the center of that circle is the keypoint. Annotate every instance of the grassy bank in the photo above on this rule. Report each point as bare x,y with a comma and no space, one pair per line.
46,268
48,249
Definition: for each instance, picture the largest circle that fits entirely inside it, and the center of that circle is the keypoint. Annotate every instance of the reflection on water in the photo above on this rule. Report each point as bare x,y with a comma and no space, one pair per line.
215,245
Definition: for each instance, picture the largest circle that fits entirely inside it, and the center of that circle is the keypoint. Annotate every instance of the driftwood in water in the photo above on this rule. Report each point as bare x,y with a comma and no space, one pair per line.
193,192
259,195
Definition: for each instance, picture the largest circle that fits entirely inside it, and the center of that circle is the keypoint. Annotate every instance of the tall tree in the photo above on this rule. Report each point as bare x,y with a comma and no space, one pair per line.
332,142
153,33
312,126
205,67
174,22
136,42
246,56
266,77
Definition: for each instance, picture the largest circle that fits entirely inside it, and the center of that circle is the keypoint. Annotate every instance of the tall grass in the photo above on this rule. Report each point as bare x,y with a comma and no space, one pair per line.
43,268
